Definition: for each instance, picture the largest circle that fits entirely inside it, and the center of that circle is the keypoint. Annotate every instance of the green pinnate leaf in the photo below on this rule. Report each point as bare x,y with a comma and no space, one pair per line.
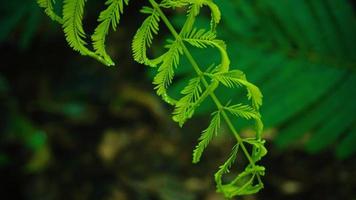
47,5
109,16
144,37
197,90
207,136
184,108
170,61
72,25
236,78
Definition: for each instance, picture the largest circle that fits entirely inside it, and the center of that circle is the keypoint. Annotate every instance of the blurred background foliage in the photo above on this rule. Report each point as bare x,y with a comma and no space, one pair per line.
73,129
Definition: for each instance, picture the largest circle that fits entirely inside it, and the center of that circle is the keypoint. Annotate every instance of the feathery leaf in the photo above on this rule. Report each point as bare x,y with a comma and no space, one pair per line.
244,111
109,16
185,106
235,78
200,38
49,10
72,16
207,136
144,36
170,61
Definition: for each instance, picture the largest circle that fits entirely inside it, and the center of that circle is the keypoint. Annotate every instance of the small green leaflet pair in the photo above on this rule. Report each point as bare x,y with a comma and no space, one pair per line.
198,89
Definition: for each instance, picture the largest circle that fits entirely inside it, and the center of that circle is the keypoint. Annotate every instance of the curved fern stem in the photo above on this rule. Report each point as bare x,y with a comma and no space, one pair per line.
199,72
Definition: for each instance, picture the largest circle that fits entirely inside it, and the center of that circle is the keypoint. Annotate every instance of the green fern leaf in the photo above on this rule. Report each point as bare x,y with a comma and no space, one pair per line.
243,184
243,111
144,36
207,136
235,78
174,3
49,10
165,73
110,16
225,168
259,150
72,16
215,14
197,90
200,38
184,108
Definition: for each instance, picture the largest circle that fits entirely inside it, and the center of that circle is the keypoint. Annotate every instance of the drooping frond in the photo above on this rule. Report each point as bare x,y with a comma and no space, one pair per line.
47,5
184,108
109,16
72,24
144,36
170,61
198,89
207,136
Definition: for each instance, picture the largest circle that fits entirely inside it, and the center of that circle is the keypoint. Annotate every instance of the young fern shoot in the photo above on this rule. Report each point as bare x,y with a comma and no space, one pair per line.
198,89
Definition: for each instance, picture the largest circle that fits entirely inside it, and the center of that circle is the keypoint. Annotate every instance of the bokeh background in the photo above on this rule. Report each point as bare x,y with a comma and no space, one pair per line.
71,128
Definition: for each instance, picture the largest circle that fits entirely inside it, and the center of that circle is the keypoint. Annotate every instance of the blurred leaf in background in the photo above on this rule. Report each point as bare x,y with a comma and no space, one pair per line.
17,128
19,21
302,54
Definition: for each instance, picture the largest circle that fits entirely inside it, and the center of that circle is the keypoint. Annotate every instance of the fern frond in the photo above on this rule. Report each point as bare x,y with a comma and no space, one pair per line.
165,73
72,24
207,136
110,16
184,107
47,5
235,78
144,36
197,90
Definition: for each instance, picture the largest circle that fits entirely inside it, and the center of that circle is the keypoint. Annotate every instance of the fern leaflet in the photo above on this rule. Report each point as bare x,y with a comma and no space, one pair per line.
184,107
170,61
144,36
49,10
244,111
110,16
207,136
200,38
235,78
73,28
